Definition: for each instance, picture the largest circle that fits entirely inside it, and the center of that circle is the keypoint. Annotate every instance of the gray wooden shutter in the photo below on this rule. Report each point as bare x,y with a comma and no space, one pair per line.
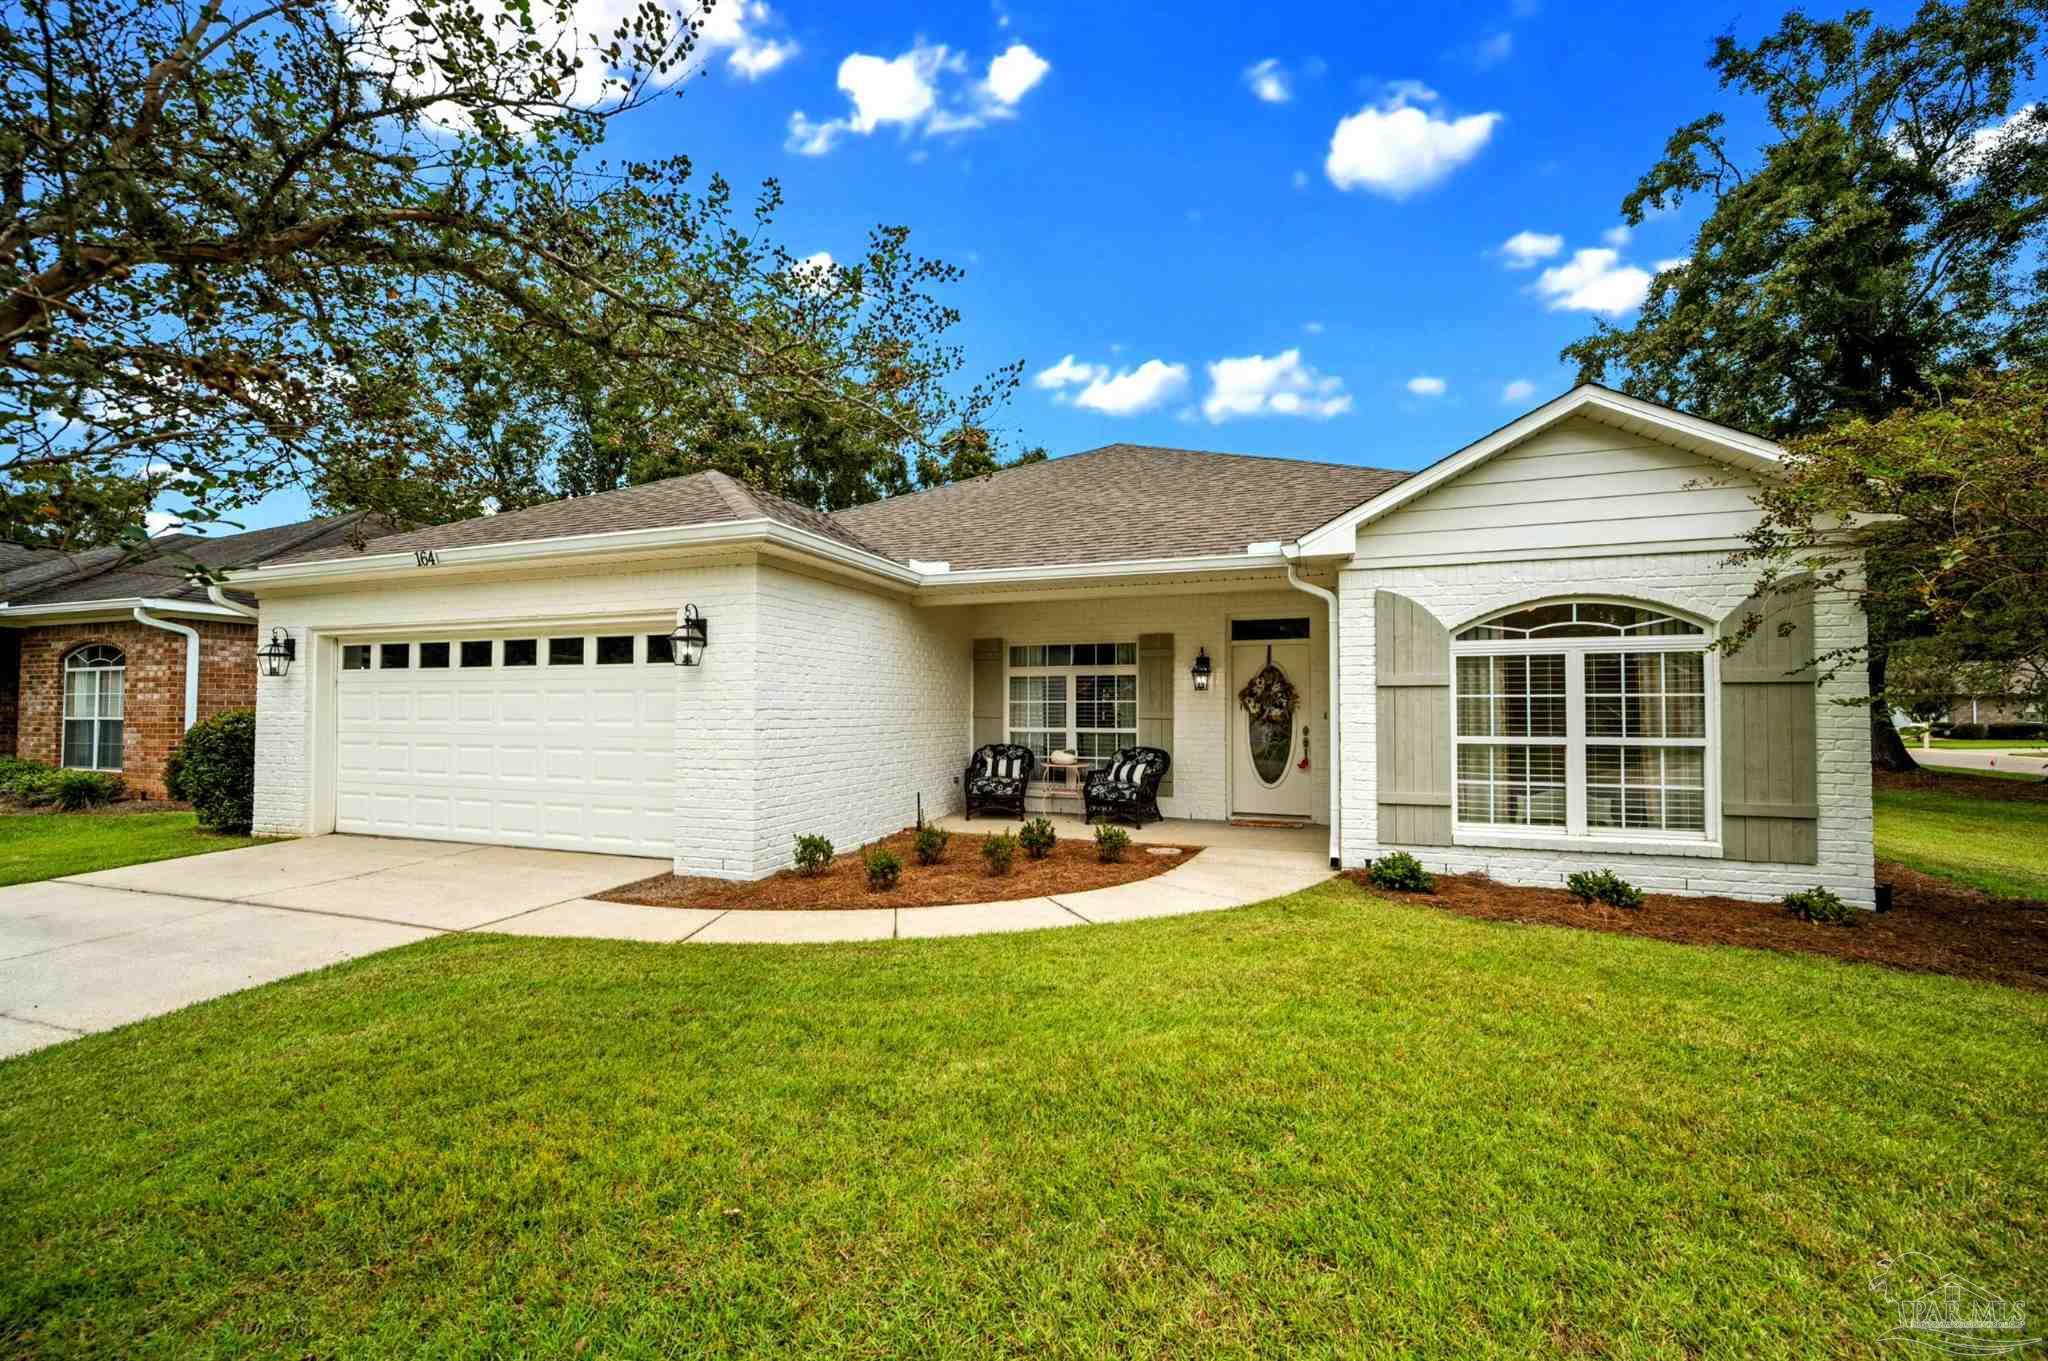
1413,660
990,699
1155,697
1770,781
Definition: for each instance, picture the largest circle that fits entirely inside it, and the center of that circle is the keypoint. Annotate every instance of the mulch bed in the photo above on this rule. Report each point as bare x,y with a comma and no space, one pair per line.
962,877
1933,927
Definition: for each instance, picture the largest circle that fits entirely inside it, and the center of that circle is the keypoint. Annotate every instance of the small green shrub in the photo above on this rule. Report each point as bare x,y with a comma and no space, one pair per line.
35,788
883,867
1822,906
1036,837
1111,841
813,853
1401,872
217,770
16,773
174,775
76,790
1000,850
931,843
1603,886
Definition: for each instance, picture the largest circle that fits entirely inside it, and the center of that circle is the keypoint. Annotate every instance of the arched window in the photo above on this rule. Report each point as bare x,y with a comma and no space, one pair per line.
1585,718
93,679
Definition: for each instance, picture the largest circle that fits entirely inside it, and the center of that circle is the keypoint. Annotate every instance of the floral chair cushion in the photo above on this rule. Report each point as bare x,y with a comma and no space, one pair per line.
995,786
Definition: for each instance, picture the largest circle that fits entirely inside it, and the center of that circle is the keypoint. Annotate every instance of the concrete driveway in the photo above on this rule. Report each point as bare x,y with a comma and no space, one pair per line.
2028,761
100,950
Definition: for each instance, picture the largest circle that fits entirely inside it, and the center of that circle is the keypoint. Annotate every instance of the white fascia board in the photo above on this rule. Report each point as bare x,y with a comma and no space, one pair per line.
1094,571
538,551
121,608
1339,537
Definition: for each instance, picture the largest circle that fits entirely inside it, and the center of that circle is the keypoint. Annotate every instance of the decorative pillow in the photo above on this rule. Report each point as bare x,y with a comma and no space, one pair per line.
1127,770
1009,767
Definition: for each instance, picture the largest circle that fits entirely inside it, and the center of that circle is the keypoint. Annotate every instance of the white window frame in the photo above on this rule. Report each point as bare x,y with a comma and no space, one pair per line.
1575,835
98,670
1073,674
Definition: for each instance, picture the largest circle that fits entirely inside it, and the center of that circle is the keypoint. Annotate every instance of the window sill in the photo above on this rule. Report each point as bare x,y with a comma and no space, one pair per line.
1589,845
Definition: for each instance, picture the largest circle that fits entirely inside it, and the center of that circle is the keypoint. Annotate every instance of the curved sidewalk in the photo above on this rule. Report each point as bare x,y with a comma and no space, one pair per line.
1220,877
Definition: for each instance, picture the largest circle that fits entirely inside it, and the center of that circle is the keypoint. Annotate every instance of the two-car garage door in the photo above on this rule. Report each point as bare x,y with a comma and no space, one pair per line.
558,740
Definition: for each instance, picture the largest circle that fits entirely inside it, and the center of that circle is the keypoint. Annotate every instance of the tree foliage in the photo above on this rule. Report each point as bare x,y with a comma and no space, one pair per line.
1884,242
258,242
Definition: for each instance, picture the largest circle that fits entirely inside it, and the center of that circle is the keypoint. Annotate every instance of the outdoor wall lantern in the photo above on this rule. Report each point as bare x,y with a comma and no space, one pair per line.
1200,671
274,658
691,637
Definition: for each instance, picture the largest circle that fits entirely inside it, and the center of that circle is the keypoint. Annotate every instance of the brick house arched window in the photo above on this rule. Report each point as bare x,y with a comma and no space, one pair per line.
93,680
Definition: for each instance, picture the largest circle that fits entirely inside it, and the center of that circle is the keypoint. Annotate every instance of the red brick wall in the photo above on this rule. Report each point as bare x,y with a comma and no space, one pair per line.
154,693
10,689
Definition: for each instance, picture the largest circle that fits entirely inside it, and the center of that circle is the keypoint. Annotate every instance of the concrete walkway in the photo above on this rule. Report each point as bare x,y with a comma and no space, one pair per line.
100,950
2026,761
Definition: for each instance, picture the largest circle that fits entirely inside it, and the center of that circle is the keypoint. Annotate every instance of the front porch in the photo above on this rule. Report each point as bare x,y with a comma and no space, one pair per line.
1311,838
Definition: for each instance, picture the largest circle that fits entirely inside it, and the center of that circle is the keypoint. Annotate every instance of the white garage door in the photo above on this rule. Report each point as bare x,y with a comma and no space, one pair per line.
558,740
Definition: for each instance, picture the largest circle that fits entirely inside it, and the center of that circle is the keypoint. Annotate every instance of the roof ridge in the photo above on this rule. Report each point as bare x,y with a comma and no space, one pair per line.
737,495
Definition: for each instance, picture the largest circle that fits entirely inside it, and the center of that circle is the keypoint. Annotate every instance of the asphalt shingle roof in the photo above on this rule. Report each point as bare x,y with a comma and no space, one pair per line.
1119,502
159,570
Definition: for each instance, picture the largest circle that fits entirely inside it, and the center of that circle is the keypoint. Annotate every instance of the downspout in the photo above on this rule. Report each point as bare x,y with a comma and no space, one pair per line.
1329,599
143,616
218,597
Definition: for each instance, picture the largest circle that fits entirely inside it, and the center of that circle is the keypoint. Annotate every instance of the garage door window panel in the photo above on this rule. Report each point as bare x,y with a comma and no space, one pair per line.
522,651
433,656
565,652
476,652
394,656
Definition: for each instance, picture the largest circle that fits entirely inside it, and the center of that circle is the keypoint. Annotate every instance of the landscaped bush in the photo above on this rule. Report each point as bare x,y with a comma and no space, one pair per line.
1997,732
1000,850
931,843
883,868
35,788
813,853
1821,905
76,790
1036,837
174,775
217,770
1603,886
1111,841
17,774
1401,872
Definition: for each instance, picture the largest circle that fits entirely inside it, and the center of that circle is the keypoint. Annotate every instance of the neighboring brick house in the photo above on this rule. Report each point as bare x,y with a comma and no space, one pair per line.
1503,663
95,646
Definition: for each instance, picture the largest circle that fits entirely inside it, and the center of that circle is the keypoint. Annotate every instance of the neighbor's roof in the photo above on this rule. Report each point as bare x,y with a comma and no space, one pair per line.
698,499
1117,503
160,569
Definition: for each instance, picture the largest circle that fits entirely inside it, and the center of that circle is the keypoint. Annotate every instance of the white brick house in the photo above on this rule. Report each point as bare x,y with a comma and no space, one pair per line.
1517,675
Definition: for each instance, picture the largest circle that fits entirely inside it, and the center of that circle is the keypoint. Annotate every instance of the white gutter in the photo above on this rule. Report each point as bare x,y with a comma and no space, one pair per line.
214,594
143,616
1329,599
117,606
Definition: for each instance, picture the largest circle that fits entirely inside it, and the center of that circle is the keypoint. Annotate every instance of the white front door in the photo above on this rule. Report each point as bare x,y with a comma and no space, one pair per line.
560,739
1266,778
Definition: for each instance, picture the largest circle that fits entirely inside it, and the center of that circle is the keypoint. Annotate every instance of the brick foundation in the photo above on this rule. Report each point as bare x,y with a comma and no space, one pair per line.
153,694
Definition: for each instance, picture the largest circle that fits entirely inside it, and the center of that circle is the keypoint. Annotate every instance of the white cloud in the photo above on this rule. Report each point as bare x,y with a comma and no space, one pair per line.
1518,390
1301,179
1594,280
1314,328
1254,385
905,91
735,29
1011,75
1616,235
1423,385
1268,81
1067,373
1395,148
1151,384
1525,248
1493,49
1675,262
156,522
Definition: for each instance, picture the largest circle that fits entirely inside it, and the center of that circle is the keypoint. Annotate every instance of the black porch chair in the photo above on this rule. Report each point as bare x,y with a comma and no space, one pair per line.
996,777
1128,787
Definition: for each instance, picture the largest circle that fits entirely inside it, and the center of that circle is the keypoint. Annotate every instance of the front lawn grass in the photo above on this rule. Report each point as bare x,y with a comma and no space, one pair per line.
1323,1126
1999,845
50,845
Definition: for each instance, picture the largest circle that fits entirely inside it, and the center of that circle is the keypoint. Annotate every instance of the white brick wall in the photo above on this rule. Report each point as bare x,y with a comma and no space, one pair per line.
1700,583
1201,722
860,704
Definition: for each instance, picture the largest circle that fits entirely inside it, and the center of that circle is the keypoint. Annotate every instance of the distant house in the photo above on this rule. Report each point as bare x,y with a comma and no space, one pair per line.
1503,663
107,656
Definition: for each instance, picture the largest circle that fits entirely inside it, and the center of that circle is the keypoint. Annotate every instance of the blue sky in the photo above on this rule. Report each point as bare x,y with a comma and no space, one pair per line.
1271,230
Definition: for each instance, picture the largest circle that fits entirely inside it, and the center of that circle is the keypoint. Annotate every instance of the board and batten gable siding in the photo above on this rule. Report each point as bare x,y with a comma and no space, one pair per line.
1579,484
1463,569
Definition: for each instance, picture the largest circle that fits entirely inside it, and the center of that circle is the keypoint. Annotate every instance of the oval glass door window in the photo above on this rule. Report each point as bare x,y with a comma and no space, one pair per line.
1272,743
